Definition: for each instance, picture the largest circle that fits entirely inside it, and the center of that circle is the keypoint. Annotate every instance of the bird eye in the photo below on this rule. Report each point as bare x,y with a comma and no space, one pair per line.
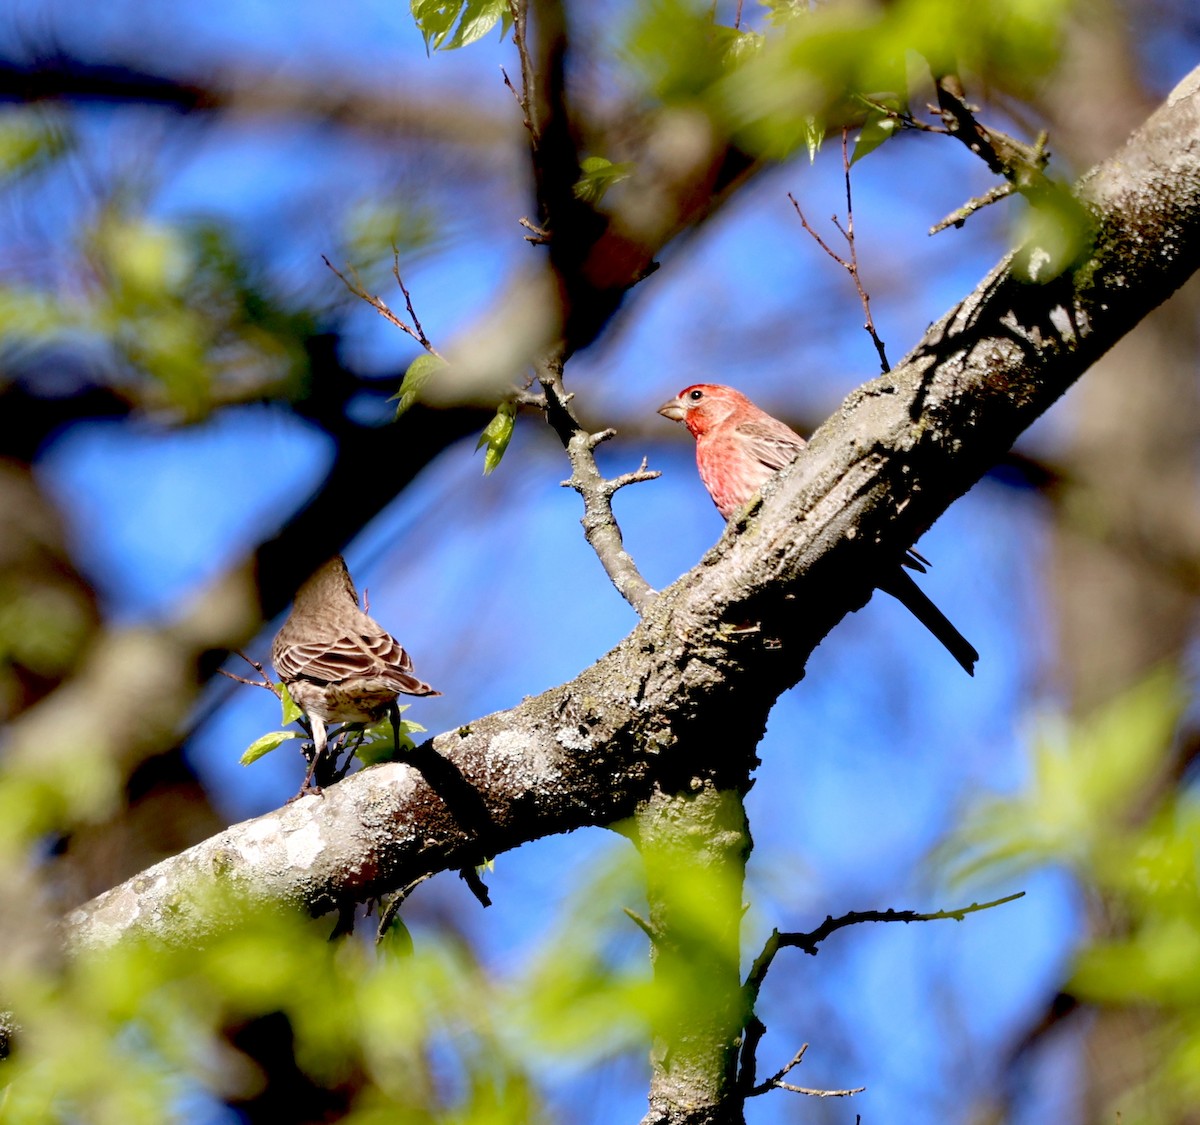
696,396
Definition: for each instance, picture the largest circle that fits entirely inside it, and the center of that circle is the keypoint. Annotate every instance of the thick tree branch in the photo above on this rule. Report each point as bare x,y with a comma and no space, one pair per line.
717,647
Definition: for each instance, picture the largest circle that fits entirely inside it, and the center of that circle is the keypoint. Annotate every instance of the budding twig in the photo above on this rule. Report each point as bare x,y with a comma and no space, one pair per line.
380,306
850,263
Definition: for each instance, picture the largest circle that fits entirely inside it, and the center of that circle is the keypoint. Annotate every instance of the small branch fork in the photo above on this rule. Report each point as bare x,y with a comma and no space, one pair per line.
380,306
849,264
599,525
264,682
1021,165
756,1029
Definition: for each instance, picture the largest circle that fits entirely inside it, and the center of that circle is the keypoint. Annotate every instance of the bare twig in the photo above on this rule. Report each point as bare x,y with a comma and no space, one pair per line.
518,9
957,217
905,120
850,263
539,235
776,1082
755,1028
819,1093
779,1075
380,306
243,680
264,682
809,941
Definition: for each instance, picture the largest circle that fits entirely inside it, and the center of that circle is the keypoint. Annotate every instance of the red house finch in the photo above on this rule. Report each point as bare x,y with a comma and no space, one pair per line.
340,665
739,447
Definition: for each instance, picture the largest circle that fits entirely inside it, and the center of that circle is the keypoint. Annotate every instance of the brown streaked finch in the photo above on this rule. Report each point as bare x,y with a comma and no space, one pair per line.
739,447
339,665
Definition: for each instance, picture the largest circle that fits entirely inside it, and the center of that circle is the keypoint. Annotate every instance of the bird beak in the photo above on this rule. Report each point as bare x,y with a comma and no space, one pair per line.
675,410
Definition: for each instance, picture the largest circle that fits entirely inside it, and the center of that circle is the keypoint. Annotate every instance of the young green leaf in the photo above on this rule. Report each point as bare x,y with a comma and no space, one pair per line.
877,128
419,372
475,18
496,436
597,175
291,712
378,745
260,747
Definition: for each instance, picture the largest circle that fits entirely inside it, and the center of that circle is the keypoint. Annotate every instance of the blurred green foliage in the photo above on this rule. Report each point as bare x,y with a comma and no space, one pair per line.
1099,801
414,1029
30,139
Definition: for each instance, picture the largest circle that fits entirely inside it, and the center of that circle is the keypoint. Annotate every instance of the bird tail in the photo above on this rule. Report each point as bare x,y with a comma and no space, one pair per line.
901,586
410,685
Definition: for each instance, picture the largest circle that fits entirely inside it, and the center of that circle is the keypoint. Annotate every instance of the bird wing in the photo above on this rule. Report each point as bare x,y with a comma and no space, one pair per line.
768,441
372,654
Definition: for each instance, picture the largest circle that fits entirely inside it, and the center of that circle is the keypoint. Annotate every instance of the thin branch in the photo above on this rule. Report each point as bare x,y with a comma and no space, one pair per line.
264,682
755,1028
1005,156
779,1075
600,526
819,1093
903,119
393,906
776,1082
539,236
380,306
809,941
850,264
243,680
518,9
960,215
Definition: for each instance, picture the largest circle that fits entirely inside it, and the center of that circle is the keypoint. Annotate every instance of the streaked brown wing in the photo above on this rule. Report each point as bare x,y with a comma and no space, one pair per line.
769,442
325,661
376,655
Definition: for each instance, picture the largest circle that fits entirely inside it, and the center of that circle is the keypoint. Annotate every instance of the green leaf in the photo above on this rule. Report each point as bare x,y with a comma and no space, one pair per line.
396,940
260,747
378,745
475,18
597,175
496,436
877,128
291,712
419,372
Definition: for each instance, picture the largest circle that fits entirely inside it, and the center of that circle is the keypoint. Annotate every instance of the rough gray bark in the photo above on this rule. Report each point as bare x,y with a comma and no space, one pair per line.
694,681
